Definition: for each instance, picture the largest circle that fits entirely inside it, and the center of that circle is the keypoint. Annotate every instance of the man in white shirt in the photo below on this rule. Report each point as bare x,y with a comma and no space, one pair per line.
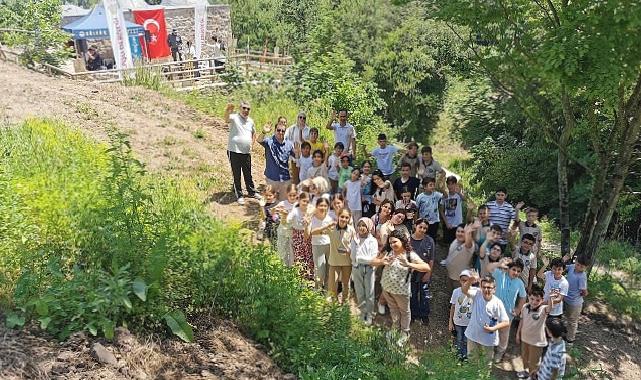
239,144
344,132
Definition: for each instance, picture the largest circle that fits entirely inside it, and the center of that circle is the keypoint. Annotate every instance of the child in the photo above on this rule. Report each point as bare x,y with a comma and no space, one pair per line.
364,249
491,250
333,164
352,193
410,216
366,194
405,200
530,226
384,155
315,144
428,167
340,263
484,219
411,158
338,203
284,233
406,181
460,313
318,168
452,209
427,203
553,363
298,219
524,252
531,331
344,172
304,161
556,286
578,288
318,228
271,218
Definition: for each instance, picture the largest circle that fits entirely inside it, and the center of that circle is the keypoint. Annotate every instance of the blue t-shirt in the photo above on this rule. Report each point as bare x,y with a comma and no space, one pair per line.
453,209
428,206
576,281
508,290
277,158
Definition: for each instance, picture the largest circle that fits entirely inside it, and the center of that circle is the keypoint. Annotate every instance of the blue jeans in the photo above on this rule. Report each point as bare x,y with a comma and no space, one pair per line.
461,341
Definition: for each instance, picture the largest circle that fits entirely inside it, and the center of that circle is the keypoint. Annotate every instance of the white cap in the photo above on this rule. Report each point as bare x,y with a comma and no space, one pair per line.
466,272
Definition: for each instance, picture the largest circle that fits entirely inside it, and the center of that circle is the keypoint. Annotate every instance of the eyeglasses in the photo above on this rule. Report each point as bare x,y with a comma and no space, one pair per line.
302,117
280,130
246,108
488,287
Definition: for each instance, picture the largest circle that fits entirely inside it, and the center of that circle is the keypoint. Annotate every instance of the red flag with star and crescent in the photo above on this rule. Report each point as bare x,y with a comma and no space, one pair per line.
153,20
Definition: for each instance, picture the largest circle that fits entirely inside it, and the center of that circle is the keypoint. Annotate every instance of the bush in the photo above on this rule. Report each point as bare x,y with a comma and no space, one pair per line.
91,242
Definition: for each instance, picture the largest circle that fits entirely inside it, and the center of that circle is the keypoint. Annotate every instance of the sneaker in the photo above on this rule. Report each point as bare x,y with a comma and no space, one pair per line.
368,320
523,374
256,196
241,201
405,336
381,309
443,263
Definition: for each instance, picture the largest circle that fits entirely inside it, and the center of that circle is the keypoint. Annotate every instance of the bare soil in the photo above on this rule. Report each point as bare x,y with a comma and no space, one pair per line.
166,135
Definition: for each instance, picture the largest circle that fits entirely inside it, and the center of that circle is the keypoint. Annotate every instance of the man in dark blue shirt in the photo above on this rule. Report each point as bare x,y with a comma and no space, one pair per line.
278,152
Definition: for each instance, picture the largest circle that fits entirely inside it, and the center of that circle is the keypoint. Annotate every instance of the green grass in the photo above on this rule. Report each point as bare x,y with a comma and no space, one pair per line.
90,242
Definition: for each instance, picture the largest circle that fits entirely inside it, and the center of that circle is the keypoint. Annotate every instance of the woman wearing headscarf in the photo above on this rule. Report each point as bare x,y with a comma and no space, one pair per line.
363,250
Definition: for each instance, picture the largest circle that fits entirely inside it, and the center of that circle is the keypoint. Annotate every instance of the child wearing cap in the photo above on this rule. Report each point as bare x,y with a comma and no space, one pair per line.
460,313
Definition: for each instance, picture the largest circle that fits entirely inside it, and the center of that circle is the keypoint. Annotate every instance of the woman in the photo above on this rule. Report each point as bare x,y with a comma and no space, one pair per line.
340,263
398,261
382,189
318,229
369,208
364,249
284,239
424,247
301,245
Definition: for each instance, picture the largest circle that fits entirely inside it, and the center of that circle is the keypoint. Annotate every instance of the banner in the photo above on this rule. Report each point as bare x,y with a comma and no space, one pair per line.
118,35
200,27
153,21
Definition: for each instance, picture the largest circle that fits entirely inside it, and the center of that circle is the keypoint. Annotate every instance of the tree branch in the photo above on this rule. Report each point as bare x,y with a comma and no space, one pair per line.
554,13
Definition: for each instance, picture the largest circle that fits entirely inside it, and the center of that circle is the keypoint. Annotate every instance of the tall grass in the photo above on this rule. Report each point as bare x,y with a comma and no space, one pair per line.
91,242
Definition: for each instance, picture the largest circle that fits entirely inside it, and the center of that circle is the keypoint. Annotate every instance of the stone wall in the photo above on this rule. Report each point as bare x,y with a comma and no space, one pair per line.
182,19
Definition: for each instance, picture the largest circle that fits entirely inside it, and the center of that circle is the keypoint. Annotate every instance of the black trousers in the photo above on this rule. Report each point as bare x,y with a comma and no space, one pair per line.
241,162
176,55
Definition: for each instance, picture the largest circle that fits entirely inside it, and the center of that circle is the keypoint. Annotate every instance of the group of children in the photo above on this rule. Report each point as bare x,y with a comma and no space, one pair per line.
341,223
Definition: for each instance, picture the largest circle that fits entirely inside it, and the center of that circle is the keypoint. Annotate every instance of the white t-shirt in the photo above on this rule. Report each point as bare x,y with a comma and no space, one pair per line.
554,285
295,219
304,163
344,134
384,158
485,312
315,223
462,307
529,262
353,195
395,277
240,134
332,167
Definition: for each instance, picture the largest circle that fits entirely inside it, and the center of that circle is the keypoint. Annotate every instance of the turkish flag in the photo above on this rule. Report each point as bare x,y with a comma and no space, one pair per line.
154,23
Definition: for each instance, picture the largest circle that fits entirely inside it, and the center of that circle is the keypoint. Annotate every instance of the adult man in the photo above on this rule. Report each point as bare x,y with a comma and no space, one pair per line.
501,213
241,138
525,253
344,132
510,290
278,152
488,317
94,61
175,43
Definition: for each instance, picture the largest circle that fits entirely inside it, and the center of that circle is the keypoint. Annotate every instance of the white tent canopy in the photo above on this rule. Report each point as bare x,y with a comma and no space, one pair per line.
141,4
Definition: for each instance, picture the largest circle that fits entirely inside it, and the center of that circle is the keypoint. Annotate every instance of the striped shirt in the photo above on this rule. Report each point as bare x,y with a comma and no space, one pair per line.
554,359
501,215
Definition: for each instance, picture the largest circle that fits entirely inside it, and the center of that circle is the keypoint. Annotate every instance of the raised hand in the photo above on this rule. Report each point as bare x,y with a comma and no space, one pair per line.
267,128
229,108
520,205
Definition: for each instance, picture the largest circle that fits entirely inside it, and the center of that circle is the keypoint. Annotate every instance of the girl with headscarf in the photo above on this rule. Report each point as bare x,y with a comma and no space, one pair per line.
364,249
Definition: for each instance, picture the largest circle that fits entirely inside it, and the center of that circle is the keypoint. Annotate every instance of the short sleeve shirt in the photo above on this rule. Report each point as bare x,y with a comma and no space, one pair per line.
322,239
412,184
554,285
384,158
333,163
304,163
508,290
424,248
395,277
533,329
428,206
529,262
240,134
429,170
453,209
576,283
462,307
485,312
353,195
412,161
501,215
340,246
344,134
534,230
554,359
458,259
277,157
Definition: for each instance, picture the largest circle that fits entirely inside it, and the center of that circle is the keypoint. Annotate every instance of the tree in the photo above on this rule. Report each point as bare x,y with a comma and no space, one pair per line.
570,66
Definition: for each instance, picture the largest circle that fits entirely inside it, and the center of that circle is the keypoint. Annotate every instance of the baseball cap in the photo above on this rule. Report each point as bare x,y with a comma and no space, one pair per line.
465,272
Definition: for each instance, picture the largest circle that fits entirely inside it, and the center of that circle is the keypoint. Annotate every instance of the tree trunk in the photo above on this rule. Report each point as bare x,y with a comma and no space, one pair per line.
564,201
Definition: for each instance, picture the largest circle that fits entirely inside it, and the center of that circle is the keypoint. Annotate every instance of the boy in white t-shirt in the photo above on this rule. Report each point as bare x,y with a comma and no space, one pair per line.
384,155
304,161
460,313
488,317
333,165
352,190
556,285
